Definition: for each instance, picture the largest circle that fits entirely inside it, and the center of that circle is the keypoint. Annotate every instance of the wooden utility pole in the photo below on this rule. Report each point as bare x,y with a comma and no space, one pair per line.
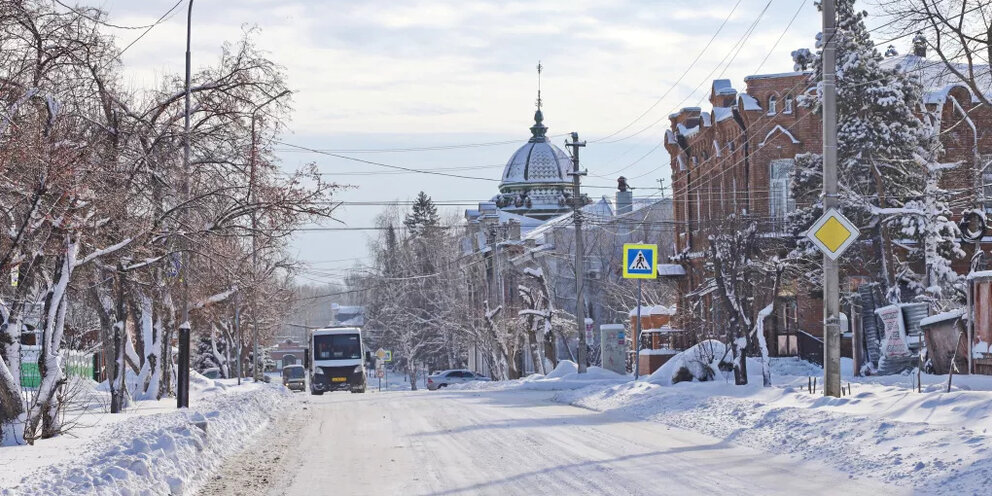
580,320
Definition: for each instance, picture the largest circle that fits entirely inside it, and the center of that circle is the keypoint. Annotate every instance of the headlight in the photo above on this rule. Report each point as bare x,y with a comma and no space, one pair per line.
318,371
358,369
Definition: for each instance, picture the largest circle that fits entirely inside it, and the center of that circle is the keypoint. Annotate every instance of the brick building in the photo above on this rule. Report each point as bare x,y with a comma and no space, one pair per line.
736,157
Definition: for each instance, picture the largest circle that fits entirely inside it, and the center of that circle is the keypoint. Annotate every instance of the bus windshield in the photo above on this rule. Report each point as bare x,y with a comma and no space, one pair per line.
337,347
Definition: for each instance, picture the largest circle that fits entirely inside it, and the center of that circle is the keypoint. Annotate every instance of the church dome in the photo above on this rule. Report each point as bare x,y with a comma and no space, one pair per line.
537,163
535,181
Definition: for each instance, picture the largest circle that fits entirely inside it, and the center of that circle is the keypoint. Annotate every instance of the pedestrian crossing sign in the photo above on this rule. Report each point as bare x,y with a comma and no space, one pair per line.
639,261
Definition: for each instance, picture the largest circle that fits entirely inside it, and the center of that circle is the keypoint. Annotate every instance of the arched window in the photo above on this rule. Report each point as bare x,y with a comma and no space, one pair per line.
788,105
772,105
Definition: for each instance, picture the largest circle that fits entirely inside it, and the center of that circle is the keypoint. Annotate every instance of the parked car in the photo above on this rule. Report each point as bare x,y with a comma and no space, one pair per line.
449,377
294,377
211,373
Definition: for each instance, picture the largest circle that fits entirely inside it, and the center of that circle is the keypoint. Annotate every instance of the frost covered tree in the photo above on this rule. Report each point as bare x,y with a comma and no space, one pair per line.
743,275
90,182
887,162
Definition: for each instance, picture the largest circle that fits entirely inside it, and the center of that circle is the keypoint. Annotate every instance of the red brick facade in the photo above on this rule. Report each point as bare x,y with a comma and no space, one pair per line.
723,161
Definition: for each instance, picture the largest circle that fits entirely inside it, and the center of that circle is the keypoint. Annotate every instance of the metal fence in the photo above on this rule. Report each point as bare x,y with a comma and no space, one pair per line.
810,347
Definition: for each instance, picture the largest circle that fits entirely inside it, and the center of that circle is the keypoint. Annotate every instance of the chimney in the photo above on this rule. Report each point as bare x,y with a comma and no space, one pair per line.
625,202
513,230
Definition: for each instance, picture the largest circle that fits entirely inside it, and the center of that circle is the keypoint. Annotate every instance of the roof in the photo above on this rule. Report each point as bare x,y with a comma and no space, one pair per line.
936,78
748,102
775,76
723,87
722,113
336,330
538,161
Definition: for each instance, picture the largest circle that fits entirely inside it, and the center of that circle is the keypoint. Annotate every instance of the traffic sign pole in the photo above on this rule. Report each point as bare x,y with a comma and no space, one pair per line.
639,262
637,335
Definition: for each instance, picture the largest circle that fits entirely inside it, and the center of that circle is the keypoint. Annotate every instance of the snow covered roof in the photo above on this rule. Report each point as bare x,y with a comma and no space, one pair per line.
671,270
537,162
937,79
687,131
774,76
723,87
941,317
670,137
706,120
748,102
662,310
722,113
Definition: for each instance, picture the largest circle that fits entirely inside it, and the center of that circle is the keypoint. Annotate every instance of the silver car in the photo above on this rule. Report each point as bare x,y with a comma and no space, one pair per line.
449,377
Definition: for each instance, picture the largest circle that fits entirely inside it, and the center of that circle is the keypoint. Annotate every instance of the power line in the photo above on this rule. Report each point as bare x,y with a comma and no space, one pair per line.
150,27
677,81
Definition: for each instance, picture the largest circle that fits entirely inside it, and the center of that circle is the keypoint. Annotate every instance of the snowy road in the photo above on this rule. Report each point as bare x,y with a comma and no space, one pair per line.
522,443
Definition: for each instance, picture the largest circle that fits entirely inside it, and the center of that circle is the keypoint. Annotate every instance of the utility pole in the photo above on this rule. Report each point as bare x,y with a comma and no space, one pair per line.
661,184
182,375
580,320
831,282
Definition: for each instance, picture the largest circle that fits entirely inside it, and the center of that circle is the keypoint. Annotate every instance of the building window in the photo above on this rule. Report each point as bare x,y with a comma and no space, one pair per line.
772,105
788,105
681,161
781,201
732,146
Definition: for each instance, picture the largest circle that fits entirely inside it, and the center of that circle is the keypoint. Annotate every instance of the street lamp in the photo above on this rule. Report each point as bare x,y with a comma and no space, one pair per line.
182,394
256,374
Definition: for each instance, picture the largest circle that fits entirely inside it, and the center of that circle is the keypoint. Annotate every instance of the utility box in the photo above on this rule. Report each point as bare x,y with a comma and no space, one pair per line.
613,347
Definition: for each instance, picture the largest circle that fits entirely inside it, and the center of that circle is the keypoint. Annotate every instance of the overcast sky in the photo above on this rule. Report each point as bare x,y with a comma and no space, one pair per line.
375,74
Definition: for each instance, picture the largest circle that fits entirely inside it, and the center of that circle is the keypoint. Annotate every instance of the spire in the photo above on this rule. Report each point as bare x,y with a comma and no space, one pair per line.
538,130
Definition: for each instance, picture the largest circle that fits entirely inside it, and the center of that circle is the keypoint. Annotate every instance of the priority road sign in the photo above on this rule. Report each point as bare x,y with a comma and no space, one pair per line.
384,355
640,261
833,233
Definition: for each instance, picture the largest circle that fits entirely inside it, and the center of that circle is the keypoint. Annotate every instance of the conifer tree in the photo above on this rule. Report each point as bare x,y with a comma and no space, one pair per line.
423,216
887,164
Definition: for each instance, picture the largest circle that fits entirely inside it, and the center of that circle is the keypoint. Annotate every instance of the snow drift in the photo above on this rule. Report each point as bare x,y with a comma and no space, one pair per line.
702,362
167,453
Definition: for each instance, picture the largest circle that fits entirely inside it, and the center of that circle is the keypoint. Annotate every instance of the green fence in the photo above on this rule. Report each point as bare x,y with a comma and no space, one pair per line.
76,364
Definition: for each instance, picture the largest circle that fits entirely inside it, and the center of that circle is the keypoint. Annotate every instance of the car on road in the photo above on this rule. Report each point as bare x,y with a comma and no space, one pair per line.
294,377
448,377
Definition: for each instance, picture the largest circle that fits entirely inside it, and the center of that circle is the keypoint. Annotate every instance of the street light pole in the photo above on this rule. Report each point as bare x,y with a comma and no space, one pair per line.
182,395
256,374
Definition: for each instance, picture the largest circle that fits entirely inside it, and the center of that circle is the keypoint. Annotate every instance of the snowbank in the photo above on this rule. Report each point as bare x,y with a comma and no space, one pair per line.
565,376
153,449
935,442
701,362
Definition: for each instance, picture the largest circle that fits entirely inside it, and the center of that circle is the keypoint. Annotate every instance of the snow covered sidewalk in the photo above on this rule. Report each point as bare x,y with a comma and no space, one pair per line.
935,442
152,449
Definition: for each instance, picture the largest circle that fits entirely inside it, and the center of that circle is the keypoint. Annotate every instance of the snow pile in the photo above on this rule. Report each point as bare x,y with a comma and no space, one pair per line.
564,377
565,367
701,362
169,452
935,442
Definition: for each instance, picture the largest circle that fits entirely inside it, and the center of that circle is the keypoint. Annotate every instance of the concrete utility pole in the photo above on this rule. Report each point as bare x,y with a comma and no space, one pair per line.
831,283
580,318
182,375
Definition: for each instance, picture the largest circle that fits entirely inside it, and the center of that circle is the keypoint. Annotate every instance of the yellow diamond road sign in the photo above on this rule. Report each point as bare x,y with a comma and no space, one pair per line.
833,234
